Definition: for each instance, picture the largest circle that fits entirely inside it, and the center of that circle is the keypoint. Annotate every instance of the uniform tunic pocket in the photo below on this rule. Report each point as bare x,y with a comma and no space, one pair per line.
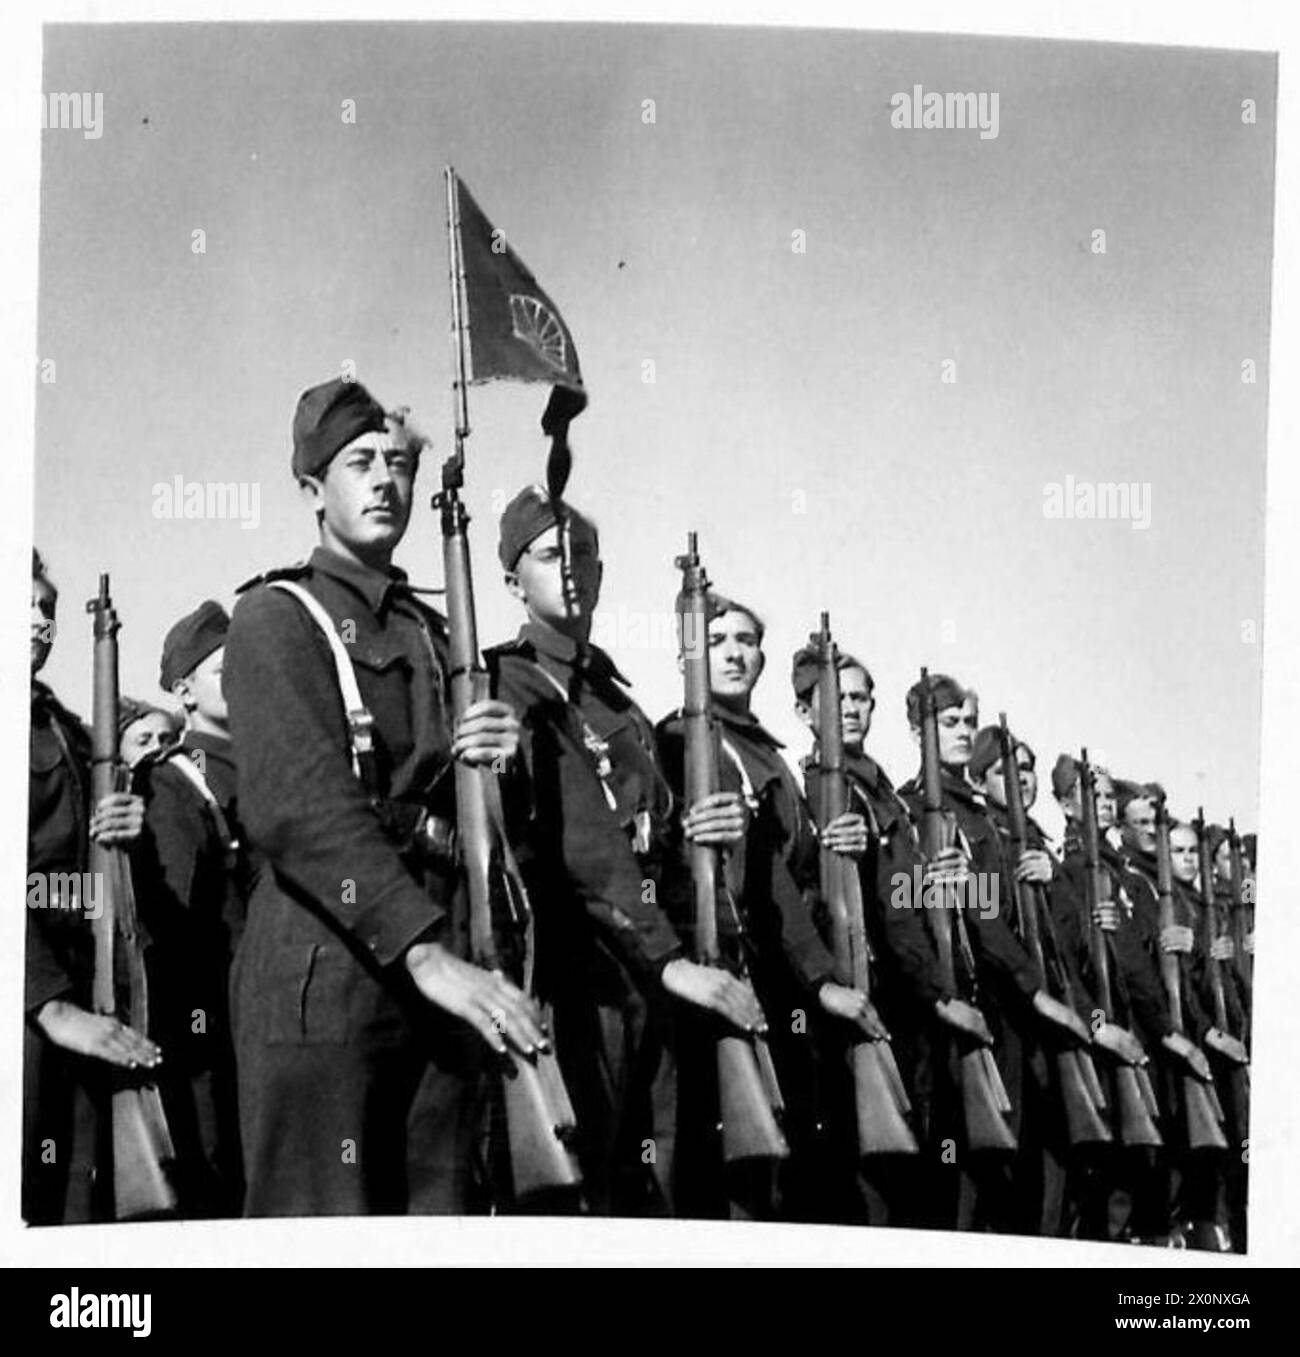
310,986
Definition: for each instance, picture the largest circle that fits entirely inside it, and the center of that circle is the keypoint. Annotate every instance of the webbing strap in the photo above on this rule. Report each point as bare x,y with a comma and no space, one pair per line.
361,741
180,760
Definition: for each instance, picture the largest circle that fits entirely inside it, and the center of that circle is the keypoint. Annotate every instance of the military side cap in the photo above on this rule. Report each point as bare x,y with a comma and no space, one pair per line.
531,513
1214,836
328,418
986,750
191,641
1127,791
1065,774
803,670
132,709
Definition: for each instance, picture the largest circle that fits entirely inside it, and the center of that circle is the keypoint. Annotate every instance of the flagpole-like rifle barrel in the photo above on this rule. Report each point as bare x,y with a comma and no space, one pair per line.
456,265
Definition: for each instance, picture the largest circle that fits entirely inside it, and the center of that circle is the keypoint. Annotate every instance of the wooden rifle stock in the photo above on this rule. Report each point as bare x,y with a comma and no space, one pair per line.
880,1098
540,1122
1236,1076
749,1096
1077,1084
143,1157
984,1096
1202,1115
1134,1102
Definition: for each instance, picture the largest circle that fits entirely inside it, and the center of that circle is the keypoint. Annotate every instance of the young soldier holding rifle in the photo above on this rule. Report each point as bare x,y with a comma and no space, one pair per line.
600,862
1064,1107
1121,1191
70,1047
191,876
977,947
362,1033
776,870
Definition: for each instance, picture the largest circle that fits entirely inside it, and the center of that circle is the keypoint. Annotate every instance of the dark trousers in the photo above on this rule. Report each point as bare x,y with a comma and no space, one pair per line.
1233,1084
957,1188
1041,1161
200,1106
355,1096
356,1131
609,1044
65,1122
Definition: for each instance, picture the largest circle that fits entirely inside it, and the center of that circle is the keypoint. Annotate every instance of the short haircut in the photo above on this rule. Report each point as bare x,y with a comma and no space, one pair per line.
720,604
947,693
1127,792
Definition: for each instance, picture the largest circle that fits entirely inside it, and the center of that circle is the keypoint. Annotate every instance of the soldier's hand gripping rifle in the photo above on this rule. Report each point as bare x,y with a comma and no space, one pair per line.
539,1114
1202,1115
143,1156
880,1098
749,1097
1077,1082
984,1096
1236,1075
1135,1101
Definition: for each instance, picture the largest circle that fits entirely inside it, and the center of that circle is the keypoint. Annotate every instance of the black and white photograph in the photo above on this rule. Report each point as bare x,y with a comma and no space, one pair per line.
653,623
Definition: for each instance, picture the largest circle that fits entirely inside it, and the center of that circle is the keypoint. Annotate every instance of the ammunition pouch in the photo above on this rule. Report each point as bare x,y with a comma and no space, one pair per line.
422,839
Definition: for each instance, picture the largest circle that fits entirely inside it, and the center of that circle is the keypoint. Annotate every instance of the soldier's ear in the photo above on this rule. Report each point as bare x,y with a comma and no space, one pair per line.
513,587
181,691
762,663
803,710
312,490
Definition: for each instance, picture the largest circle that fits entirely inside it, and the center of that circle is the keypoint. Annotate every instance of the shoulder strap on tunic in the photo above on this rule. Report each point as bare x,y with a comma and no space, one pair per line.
361,740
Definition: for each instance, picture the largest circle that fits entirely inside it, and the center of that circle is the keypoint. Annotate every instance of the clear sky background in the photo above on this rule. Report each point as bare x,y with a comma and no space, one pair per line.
797,419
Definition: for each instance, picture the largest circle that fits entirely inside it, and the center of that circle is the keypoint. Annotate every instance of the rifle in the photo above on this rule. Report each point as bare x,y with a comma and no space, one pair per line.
142,1153
1078,1085
984,1096
1135,1100
1243,958
1237,1076
749,1096
881,1100
540,1124
1201,1109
